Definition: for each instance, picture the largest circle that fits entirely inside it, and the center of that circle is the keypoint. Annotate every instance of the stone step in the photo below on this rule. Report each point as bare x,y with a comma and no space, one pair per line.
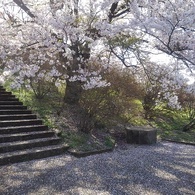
31,154
17,117
21,145
10,103
25,136
12,107
3,98
2,89
5,93
7,112
20,129
10,123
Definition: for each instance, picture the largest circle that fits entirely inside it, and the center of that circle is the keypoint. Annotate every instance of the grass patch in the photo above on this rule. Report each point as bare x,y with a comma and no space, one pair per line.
179,136
44,108
82,142
74,139
171,123
138,121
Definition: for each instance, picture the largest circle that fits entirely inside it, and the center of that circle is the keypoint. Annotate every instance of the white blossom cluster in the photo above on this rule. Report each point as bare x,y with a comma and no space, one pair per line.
44,47
54,32
90,79
170,25
166,81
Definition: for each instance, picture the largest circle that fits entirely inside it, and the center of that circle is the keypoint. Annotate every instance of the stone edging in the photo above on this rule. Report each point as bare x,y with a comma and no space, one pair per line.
179,142
84,154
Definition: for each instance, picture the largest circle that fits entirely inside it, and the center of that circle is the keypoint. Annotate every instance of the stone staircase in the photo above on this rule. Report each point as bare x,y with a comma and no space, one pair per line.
23,137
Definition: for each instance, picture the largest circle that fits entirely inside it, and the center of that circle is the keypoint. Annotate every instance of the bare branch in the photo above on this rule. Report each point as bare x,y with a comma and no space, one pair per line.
24,7
121,13
112,11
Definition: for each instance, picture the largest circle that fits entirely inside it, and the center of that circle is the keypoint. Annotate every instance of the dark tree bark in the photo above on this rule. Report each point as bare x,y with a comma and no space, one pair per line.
24,7
74,89
73,92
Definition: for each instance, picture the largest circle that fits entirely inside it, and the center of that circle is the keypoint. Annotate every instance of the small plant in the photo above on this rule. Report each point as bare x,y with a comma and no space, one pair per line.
74,139
109,142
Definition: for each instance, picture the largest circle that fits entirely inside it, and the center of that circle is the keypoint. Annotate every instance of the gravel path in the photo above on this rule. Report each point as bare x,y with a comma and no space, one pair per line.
165,168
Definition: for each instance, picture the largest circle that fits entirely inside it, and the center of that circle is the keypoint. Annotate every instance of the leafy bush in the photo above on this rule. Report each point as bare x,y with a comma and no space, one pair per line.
41,88
110,104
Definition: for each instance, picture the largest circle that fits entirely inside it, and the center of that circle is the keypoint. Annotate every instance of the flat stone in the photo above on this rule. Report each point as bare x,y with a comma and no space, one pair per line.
141,135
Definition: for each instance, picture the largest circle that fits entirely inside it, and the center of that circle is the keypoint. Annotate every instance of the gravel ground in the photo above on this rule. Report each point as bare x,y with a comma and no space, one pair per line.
165,168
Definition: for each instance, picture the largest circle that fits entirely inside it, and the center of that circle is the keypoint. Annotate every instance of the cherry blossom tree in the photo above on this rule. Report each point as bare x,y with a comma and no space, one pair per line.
161,84
74,33
70,35
169,25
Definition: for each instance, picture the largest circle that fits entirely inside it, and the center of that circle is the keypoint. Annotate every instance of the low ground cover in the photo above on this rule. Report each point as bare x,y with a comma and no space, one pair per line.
64,120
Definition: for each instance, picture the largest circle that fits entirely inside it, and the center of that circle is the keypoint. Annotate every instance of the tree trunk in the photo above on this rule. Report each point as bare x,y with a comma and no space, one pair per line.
74,89
73,92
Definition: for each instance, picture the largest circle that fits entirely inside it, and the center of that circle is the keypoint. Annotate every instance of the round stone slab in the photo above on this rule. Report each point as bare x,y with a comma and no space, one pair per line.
141,135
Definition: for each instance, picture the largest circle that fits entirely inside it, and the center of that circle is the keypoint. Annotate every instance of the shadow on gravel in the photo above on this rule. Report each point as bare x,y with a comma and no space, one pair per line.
165,168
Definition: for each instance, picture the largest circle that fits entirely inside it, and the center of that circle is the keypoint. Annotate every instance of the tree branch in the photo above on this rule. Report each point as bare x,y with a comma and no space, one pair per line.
24,7
112,10
121,13
113,14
